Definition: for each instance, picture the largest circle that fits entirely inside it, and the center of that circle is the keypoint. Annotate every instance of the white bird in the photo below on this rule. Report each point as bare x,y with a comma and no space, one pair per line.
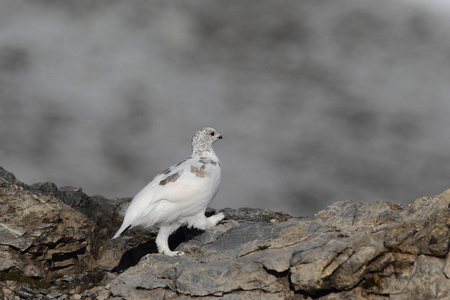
179,195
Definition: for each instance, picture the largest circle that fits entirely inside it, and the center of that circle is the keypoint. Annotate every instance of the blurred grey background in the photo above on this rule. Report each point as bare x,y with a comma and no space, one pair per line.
318,101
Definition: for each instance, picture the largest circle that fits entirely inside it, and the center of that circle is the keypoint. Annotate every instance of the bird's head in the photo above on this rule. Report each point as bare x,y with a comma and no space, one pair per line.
204,138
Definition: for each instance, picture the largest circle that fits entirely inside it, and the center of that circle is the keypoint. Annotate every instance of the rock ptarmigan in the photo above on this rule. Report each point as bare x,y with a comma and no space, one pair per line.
179,195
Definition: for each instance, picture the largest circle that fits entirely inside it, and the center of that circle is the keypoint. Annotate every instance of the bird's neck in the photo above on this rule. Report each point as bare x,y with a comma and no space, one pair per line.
203,152
200,147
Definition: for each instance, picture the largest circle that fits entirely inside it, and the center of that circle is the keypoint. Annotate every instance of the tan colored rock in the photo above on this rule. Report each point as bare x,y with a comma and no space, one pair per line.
40,235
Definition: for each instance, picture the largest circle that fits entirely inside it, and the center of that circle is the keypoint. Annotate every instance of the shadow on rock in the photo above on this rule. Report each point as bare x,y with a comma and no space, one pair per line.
131,257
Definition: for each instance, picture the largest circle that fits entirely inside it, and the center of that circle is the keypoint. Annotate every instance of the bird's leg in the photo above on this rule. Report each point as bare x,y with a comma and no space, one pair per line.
215,219
162,240
203,223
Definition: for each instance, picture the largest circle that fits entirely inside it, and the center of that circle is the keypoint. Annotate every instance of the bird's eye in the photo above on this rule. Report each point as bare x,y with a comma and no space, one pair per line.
212,133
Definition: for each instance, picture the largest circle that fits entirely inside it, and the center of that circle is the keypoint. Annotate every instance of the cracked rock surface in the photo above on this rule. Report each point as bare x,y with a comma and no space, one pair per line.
55,244
350,250
39,234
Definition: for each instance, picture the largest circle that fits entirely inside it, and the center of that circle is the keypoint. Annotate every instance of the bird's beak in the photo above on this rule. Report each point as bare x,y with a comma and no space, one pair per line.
220,137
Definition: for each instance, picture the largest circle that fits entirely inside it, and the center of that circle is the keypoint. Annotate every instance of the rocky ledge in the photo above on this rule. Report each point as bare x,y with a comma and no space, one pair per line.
55,243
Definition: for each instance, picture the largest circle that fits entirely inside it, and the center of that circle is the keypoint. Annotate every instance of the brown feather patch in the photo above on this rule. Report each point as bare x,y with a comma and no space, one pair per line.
198,172
171,178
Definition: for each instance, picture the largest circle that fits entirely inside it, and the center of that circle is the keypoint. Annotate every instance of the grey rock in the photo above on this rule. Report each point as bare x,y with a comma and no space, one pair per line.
351,250
379,250
208,236
255,215
179,274
45,187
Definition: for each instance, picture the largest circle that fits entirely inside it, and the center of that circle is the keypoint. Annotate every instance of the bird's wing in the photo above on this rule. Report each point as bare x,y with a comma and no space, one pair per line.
173,191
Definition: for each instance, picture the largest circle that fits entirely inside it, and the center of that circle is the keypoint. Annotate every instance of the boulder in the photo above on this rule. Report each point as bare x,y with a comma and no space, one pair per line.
350,250
56,244
40,236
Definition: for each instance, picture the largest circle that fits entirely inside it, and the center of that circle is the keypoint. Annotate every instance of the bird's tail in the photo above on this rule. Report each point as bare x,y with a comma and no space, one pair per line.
121,230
